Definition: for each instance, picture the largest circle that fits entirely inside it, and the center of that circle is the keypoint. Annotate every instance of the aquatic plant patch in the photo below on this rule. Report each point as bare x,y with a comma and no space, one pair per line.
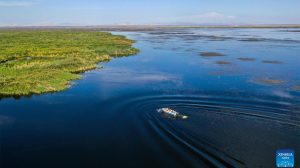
39,61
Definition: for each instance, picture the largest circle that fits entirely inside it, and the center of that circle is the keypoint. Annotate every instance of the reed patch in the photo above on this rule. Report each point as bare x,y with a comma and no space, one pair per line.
39,61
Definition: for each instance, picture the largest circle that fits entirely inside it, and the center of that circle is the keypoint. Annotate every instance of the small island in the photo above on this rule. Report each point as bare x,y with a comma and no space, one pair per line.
41,61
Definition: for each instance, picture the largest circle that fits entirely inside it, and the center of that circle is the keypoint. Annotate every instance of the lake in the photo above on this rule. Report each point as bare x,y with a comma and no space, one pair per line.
239,87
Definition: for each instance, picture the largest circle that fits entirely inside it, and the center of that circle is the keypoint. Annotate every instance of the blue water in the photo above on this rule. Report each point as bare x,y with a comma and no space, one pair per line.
237,117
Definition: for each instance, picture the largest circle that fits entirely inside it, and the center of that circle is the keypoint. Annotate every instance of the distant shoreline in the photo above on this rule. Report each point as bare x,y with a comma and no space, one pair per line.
150,27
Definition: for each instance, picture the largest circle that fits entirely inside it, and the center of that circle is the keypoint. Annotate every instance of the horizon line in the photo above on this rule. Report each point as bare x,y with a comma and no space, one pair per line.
296,25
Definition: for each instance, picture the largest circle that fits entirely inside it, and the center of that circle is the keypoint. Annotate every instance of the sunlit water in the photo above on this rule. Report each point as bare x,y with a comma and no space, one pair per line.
240,112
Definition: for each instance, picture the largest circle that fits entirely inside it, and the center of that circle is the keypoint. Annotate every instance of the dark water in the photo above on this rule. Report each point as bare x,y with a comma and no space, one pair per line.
240,110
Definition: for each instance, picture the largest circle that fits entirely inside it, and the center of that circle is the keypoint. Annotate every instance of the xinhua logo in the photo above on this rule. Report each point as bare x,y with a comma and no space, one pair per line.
285,158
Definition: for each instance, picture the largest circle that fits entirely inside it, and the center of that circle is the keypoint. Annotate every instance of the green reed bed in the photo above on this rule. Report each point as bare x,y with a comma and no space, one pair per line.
40,61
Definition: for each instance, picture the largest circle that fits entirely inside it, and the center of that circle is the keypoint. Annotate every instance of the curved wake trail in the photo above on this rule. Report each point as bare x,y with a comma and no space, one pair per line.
217,130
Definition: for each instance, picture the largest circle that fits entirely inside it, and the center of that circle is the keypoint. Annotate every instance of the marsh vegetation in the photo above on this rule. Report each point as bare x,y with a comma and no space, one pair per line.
296,88
39,61
246,59
272,62
211,54
223,62
269,81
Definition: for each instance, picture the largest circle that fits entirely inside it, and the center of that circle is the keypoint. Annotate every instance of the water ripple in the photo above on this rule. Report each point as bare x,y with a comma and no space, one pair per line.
188,136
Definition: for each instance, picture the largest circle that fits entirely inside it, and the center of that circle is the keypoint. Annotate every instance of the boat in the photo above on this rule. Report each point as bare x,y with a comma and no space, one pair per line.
171,112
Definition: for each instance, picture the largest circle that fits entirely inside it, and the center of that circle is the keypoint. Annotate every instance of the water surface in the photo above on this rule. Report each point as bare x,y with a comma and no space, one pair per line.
242,106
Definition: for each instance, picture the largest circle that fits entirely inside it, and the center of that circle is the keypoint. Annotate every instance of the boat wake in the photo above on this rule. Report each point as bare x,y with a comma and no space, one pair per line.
217,129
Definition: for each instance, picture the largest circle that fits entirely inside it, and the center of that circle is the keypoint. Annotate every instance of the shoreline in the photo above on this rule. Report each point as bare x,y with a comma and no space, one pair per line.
149,27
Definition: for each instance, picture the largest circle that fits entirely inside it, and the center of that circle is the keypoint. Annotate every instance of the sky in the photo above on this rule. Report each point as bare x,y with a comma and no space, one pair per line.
147,12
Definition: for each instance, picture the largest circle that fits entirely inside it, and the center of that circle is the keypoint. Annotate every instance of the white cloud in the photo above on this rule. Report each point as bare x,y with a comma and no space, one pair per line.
118,75
213,15
208,17
15,3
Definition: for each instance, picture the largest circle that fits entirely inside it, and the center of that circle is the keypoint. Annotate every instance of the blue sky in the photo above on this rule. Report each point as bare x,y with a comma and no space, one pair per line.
108,12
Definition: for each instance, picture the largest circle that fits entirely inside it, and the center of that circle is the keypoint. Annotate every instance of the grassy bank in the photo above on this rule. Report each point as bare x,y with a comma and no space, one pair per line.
40,61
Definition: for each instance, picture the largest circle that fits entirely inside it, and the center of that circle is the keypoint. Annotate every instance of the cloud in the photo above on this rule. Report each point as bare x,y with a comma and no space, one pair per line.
125,75
16,3
209,17
213,15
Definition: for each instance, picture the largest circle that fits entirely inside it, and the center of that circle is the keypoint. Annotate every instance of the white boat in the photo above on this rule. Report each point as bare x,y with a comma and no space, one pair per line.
171,112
